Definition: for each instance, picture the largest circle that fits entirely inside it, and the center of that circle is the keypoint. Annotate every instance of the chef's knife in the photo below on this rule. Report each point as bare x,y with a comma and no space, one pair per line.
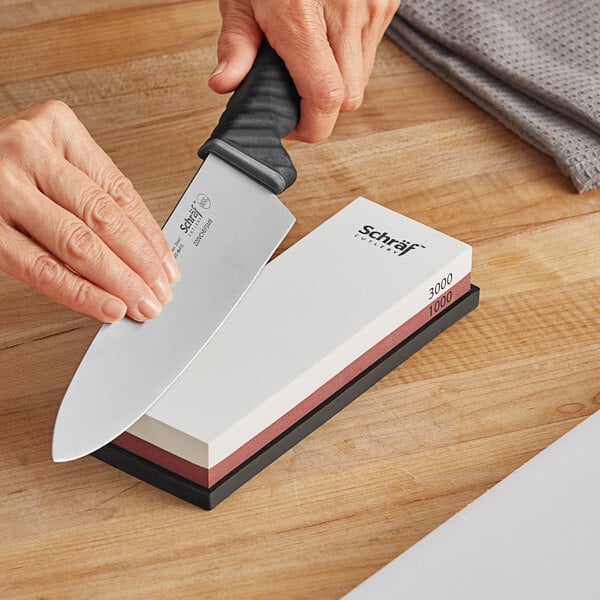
227,224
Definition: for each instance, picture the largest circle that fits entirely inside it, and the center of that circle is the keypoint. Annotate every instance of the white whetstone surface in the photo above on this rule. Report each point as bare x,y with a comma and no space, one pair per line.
313,311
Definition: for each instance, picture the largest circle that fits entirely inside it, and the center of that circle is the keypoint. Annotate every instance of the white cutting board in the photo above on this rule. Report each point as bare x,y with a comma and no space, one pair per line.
534,536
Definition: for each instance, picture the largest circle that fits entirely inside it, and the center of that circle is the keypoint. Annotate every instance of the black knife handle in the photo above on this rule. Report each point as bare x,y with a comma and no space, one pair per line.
262,111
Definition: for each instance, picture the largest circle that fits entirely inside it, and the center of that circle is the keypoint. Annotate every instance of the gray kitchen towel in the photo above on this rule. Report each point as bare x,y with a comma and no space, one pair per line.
533,64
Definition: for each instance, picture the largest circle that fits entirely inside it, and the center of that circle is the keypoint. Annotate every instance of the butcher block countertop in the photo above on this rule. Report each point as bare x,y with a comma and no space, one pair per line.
456,418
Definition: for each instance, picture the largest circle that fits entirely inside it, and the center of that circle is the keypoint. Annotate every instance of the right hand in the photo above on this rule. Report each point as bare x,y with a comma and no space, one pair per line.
328,47
72,226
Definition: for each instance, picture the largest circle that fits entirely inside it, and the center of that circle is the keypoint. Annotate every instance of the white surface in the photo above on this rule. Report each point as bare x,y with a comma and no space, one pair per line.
311,312
535,535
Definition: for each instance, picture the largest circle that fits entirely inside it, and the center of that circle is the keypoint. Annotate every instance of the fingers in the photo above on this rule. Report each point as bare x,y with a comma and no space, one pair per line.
352,31
349,56
319,82
321,89
21,258
237,47
76,192
87,238
65,237
328,48
374,32
66,132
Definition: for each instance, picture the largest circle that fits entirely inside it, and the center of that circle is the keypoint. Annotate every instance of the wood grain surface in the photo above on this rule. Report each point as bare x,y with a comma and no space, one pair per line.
464,412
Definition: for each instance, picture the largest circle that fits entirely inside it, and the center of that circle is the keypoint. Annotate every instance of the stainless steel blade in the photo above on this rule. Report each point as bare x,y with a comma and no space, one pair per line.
223,231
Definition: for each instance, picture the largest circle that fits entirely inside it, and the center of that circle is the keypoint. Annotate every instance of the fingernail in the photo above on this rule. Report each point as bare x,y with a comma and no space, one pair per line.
219,69
162,291
150,308
114,309
171,269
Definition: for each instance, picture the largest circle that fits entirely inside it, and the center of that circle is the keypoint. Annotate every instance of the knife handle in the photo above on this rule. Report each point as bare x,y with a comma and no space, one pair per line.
263,110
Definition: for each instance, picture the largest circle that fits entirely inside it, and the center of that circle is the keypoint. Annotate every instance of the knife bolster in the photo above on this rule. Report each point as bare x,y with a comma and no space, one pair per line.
260,113
258,171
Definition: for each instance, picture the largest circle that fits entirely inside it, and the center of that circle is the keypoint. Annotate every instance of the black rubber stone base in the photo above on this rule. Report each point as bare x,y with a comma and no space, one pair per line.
208,498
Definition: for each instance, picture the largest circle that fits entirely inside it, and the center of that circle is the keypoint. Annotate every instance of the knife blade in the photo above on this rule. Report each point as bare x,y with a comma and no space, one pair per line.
223,230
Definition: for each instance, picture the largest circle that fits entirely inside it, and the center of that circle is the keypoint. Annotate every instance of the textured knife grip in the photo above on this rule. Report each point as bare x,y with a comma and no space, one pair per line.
263,110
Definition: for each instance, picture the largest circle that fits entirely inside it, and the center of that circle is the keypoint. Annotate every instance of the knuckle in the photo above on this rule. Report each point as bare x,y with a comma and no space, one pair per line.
22,129
229,39
44,270
9,182
328,95
101,213
382,7
79,242
391,8
158,242
19,136
82,293
121,189
57,119
55,108
353,100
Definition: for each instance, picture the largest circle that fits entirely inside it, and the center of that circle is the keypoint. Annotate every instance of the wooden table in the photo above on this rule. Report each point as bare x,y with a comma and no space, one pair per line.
464,412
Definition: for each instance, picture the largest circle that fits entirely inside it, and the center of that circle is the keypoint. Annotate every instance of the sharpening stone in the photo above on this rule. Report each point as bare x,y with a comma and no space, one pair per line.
209,497
365,289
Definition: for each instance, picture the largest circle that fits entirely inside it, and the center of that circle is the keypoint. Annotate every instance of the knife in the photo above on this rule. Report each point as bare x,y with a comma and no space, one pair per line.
226,226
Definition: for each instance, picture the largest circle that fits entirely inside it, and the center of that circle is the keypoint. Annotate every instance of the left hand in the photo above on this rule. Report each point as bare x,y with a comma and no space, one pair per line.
328,47
72,226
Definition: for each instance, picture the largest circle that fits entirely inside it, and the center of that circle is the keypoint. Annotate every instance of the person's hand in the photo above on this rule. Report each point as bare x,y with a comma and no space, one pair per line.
328,47
72,226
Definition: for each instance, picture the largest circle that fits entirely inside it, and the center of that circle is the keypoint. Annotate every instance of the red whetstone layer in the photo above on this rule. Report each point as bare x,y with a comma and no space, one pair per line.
208,477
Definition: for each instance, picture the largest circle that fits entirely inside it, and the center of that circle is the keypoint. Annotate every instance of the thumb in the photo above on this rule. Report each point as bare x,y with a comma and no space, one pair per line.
237,47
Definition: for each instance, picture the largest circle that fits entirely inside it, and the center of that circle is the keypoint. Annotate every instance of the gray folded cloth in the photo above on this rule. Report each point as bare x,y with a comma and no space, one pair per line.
533,64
